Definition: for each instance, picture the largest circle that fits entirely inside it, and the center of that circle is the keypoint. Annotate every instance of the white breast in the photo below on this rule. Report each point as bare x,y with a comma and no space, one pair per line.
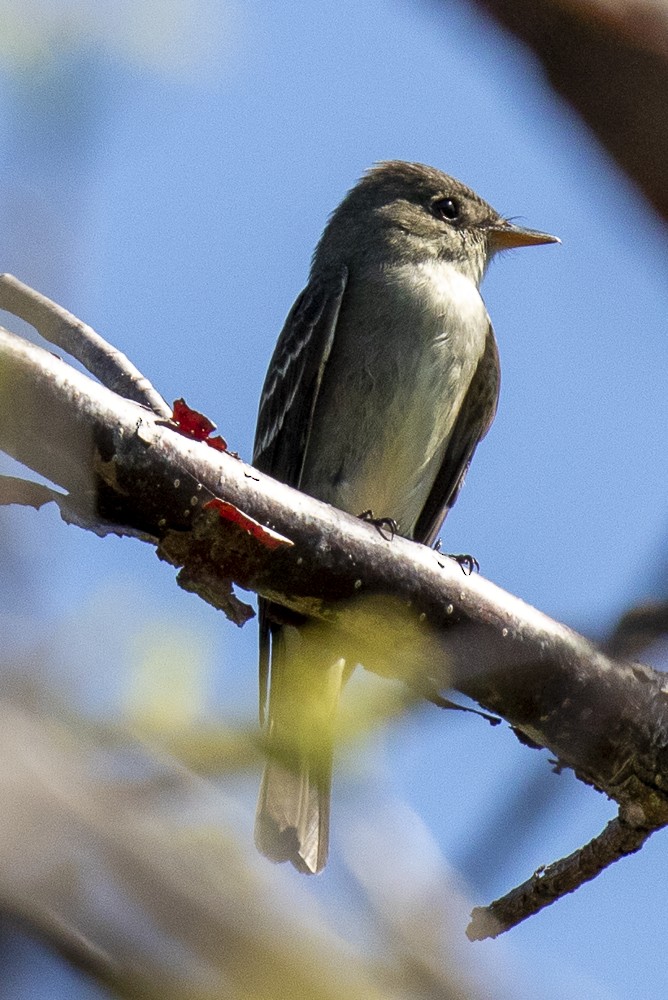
405,374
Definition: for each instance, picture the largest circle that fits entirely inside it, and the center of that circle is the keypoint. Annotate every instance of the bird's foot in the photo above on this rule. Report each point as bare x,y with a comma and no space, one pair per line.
468,564
387,527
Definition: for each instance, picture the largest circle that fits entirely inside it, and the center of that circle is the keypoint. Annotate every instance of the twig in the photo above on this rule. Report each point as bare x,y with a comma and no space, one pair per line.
61,328
605,719
440,702
556,880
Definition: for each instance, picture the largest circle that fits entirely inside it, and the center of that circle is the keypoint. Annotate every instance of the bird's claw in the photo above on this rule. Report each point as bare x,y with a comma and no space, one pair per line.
468,564
387,527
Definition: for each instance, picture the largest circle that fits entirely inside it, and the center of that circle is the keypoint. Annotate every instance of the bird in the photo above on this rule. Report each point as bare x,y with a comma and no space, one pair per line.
384,379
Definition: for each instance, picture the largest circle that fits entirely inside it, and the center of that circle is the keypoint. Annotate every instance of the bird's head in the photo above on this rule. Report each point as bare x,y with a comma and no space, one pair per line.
406,212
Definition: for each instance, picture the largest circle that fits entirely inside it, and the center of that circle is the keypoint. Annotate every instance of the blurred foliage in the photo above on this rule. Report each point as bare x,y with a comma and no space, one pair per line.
170,36
91,815
167,689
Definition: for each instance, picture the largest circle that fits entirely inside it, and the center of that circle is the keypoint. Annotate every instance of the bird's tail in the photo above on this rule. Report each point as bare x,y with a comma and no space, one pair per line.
292,822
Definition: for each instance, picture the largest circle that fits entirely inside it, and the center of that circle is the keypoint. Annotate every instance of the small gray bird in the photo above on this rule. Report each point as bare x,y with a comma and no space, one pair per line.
384,379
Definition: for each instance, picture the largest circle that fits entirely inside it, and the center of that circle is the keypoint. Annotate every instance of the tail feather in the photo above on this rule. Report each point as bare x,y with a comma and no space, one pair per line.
293,818
292,822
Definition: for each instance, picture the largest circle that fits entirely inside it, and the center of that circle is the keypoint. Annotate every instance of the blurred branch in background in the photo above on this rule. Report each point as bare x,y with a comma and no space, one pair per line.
638,629
90,815
507,828
400,609
609,60
186,39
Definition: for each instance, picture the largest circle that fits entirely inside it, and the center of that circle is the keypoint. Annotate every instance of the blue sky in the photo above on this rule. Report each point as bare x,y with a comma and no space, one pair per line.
166,171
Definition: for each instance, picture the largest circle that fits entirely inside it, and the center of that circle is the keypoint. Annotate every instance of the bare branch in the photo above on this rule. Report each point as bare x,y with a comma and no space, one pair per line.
549,884
61,328
550,683
397,607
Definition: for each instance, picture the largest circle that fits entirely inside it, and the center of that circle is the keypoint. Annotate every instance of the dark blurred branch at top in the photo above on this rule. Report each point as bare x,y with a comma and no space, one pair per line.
609,60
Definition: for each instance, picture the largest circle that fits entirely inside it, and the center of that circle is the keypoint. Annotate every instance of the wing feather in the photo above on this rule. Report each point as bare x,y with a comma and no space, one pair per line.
473,422
287,403
294,377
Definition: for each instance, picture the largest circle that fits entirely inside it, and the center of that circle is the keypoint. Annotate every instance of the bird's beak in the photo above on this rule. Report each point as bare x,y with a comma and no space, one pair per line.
506,235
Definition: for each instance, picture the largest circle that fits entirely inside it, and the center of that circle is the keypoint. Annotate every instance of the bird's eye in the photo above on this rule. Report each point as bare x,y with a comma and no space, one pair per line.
446,209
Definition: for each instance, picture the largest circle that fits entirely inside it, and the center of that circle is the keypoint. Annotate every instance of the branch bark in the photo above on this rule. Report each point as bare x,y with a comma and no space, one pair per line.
399,608
554,881
65,330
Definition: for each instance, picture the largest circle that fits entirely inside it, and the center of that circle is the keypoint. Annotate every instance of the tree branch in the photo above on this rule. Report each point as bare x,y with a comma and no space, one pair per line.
61,328
556,880
399,608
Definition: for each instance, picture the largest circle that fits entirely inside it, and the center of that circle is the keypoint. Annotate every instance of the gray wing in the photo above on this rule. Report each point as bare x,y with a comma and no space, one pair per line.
474,420
288,401
294,378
